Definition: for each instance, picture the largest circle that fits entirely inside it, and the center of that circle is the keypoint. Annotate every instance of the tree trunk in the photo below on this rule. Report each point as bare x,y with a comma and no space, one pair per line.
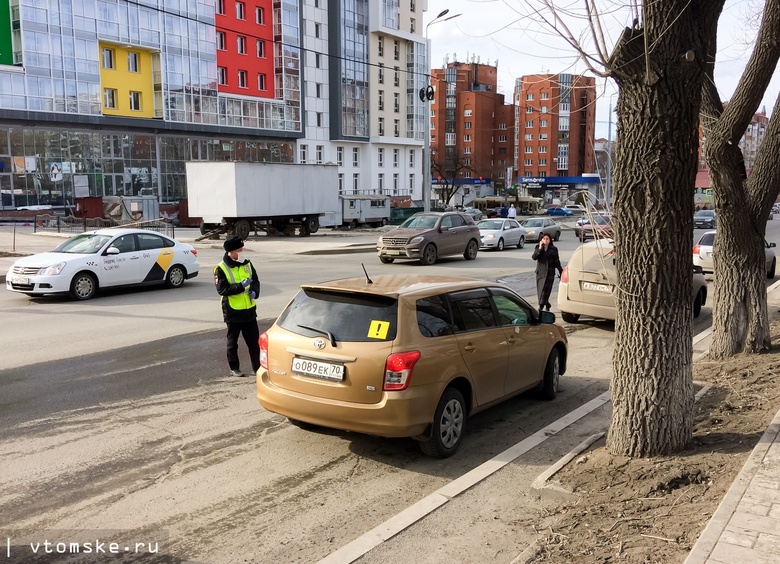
657,68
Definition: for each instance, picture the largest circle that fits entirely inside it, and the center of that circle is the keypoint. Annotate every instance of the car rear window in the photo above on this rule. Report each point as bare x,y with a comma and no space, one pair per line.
348,316
707,239
433,317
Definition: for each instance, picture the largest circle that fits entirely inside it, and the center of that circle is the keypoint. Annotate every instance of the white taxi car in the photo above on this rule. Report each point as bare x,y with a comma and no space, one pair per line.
101,259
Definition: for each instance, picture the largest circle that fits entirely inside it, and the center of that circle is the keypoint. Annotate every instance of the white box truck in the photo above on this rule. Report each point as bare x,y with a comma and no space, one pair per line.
239,197
373,209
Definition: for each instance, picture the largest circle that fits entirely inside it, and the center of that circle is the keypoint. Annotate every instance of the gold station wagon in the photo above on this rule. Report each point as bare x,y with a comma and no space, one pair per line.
406,356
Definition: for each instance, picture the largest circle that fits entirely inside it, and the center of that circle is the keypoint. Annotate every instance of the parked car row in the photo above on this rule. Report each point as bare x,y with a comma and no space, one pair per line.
703,255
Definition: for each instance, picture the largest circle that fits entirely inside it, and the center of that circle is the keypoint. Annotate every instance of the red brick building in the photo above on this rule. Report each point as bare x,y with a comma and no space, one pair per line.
555,124
472,129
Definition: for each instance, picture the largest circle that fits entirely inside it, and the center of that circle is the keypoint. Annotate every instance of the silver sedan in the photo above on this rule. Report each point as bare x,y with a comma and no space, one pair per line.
498,233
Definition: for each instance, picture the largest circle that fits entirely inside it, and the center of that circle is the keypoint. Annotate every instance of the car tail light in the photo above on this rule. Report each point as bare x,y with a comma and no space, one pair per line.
263,340
565,275
398,370
194,252
696,249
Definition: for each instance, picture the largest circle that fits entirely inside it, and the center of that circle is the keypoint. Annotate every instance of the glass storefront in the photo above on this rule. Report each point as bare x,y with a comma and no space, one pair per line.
52,167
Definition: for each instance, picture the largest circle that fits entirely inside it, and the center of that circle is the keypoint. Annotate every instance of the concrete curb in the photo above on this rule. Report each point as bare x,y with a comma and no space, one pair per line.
543,487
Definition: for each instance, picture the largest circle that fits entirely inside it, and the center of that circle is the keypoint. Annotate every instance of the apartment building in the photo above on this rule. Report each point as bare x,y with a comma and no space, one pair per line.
472,128
118,95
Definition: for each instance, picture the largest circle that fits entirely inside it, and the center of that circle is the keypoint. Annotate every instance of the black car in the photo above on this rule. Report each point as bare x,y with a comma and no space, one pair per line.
704,219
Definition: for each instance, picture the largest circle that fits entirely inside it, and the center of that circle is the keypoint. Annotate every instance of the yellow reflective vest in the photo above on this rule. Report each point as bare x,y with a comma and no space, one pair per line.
236,275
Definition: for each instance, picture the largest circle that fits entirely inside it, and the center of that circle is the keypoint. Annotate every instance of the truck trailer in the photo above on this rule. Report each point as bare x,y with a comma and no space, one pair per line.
240,197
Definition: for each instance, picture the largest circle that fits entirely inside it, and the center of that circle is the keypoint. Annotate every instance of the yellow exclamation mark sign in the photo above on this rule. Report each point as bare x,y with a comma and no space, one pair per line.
378,329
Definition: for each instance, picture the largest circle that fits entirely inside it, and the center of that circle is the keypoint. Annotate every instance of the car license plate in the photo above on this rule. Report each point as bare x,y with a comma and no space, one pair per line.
318,369
604,288
20,280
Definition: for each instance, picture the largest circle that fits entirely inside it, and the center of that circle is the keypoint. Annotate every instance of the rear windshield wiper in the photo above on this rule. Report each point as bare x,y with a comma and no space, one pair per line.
321,332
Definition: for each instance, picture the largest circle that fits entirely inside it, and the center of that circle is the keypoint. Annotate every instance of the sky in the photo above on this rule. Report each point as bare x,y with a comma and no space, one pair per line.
505,32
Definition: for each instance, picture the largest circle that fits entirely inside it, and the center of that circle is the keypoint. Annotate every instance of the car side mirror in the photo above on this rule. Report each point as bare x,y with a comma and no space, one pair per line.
772,245
112,251
443,229
547,317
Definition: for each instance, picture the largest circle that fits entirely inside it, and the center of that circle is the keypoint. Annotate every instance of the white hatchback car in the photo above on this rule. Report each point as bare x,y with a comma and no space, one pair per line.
101,259
703,253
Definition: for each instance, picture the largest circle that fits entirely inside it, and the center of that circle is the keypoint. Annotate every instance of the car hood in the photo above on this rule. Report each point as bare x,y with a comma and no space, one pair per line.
47,259
407,232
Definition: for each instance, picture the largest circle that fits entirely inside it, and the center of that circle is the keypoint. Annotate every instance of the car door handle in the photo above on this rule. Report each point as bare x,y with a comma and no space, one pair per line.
470,348
135,257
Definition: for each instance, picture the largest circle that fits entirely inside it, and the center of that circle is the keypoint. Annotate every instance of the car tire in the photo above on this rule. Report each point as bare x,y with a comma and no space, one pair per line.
83,286
449,422
771,273
386,260
552,376
557,235
697,303
582,237
570,317
175,277
312,223
521,242
352,225
428,255
242,228
500,246
472,248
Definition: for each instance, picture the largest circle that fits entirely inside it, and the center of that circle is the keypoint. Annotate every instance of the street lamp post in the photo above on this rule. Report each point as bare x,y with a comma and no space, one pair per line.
426,187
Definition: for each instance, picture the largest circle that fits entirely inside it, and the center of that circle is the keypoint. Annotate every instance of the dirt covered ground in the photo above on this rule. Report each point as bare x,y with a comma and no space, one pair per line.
653,510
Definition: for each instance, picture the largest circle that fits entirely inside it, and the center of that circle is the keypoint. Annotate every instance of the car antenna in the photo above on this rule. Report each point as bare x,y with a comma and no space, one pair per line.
368,280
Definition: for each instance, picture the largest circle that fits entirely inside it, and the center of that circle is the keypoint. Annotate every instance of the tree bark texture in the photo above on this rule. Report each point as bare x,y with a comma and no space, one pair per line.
659,70
740,322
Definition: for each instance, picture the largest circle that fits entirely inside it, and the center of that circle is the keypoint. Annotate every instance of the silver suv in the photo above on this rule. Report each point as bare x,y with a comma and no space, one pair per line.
430,235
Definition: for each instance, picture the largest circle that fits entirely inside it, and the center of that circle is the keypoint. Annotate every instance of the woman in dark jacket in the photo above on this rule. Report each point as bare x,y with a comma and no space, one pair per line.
547,262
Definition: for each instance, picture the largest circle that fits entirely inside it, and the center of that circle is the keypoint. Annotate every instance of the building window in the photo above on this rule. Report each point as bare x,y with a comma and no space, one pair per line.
542,136
528,162
529,150
260,49
304,153
467,150
467,125
380,182
220,7
542,162
380,157
411,158
108,58
543,123
318,90
261,82
529,136
543,109
135,101
319,119
320,152
412,6
133,61
467,138
466,113
529,110
395,158
381,126
241,44
222,75
397,78
381,76
316,60
397,127
341,183
340,156
412,25
260,16
544,96
317,30
221,40
396,50
542,149
433,126
355,156
381,101
529,97
396,102
240,11
502,138
502,126
355,182
380,46
395,184
411,183
529,124
467,162
433,112
109,98
467,174
242,79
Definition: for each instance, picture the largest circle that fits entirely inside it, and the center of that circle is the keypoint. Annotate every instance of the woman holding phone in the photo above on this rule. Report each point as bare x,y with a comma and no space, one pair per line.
547,262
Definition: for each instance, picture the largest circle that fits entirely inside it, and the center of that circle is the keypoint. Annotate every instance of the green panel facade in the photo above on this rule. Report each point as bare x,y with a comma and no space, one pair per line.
6,50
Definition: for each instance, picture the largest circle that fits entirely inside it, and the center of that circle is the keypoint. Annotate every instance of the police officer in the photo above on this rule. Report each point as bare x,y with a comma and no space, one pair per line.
238,284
